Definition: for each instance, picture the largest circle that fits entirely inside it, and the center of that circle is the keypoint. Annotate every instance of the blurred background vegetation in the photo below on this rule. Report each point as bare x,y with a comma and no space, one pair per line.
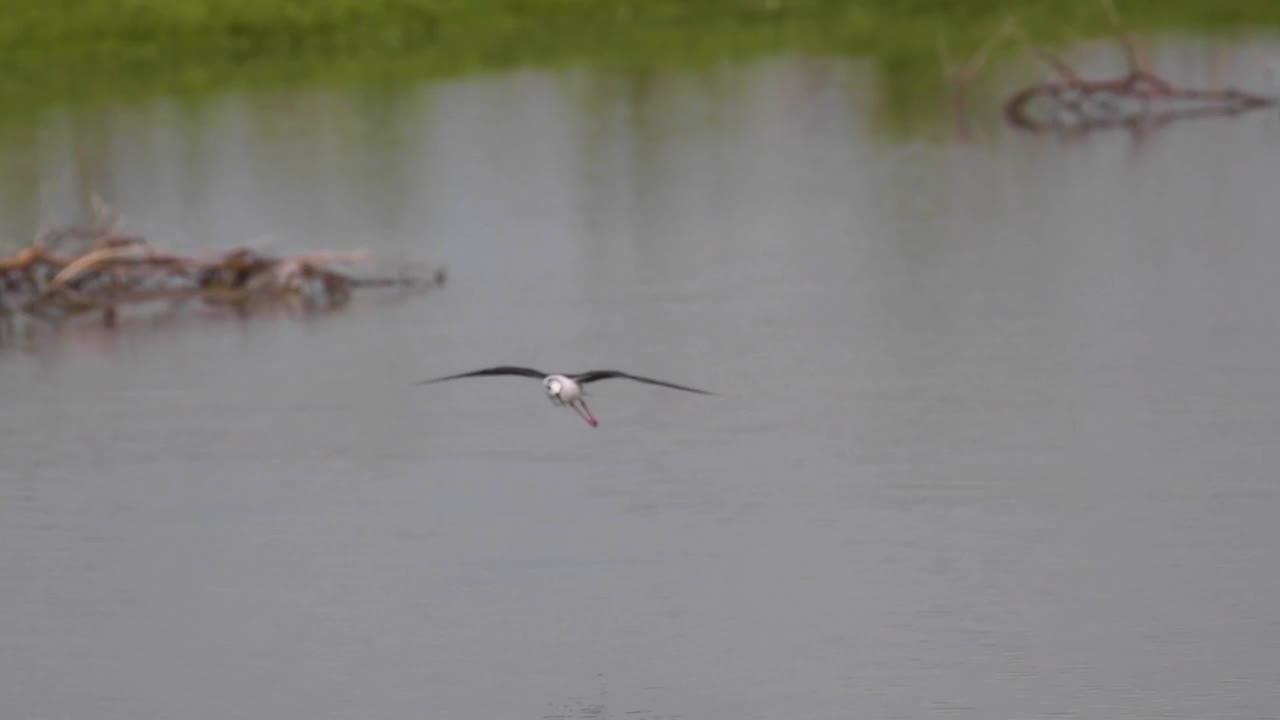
92,50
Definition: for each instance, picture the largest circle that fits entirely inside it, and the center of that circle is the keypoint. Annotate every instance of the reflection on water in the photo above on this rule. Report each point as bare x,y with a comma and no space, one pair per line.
995,436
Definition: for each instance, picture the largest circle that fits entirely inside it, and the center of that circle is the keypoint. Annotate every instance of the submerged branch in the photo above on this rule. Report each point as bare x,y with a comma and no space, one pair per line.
1138,100
75,270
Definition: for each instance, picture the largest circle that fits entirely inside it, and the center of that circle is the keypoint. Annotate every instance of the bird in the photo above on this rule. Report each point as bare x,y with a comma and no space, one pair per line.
565,388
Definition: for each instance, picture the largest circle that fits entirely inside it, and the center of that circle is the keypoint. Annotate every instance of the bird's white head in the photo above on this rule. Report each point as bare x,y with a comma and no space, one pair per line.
553,386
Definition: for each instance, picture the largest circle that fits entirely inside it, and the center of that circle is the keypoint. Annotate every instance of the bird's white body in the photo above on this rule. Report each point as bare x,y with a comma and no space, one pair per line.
562,390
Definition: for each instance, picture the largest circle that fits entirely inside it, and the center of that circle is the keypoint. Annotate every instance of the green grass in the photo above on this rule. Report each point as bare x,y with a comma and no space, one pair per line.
86,51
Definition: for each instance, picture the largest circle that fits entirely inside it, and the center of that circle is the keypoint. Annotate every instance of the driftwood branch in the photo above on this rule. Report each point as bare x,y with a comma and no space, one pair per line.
1137,100
93,268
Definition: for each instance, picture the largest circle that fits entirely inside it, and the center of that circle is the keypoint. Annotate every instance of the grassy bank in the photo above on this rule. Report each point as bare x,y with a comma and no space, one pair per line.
68,50
160,27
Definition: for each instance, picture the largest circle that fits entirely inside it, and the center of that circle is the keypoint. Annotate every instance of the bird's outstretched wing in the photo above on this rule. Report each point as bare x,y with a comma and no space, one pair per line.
498,370
594,375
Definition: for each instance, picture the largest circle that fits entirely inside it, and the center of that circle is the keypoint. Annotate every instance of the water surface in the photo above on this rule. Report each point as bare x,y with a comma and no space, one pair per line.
995,439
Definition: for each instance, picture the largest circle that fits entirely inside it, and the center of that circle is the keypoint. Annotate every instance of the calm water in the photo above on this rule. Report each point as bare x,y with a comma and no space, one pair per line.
997,433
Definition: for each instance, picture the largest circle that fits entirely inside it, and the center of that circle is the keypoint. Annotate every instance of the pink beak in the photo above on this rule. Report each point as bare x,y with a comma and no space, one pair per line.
584,412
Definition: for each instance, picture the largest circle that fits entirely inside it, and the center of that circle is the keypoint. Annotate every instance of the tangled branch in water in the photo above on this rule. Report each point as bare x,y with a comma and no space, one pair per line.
1139,100
94,270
